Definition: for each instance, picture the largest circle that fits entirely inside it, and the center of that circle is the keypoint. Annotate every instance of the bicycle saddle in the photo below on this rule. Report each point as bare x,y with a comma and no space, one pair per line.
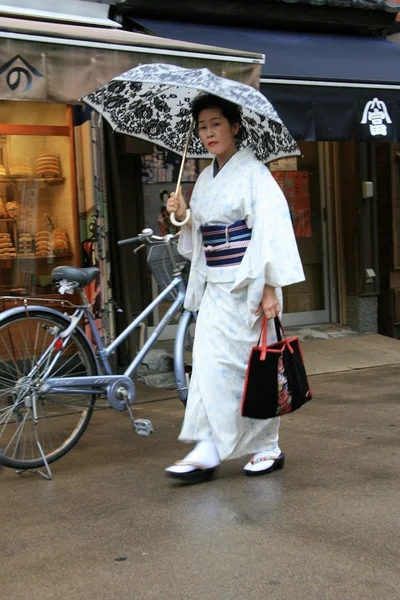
81,276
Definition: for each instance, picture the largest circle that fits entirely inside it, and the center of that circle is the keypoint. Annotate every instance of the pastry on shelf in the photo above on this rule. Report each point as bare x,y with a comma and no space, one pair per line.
8,253
21,168
5,237
7,249
43,243
43,248
59,242
25,243
59,232
49,155
48,165
43,236
12,208
42,240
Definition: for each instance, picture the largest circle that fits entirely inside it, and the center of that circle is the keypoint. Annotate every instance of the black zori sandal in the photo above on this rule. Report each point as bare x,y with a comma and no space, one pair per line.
279,463
197,475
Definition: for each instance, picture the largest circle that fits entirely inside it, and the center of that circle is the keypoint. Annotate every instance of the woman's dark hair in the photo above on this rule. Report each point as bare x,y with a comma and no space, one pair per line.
230,110
162,194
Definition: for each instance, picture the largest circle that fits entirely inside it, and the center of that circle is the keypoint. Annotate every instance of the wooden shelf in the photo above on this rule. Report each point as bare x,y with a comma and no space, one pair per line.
48,181
34,257
48,130
17,219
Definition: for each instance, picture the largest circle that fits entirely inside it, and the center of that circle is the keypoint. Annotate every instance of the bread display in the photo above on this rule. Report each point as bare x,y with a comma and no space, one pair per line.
43,243
7,249
21,168
59,242
48,165
13,210
43,235
27,192
25,243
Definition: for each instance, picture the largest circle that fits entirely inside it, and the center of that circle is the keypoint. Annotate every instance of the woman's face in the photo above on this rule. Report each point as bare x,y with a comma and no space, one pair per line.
215,131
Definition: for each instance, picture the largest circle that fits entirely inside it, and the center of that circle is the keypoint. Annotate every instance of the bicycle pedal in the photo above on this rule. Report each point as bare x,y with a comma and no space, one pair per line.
143,426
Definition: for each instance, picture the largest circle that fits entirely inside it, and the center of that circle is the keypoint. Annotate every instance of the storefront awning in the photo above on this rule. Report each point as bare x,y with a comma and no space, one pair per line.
325,87
61,63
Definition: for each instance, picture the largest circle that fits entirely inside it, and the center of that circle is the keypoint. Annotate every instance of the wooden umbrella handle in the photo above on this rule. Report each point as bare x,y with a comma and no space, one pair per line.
178,185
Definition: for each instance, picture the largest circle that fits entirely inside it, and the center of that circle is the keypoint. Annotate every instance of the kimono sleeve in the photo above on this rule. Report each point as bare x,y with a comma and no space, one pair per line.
186,241
190,246
272,256
190,234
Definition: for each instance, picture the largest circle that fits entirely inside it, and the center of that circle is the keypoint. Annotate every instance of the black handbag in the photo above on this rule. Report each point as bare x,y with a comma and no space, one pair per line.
276,380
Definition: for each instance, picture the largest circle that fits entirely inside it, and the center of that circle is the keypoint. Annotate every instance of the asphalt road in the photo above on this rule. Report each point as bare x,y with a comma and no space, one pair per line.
111,525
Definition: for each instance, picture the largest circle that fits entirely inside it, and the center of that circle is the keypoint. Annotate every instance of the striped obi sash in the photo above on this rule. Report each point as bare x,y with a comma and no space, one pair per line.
225,245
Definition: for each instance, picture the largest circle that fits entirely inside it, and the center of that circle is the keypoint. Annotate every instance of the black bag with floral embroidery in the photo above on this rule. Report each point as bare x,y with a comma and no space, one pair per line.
276,381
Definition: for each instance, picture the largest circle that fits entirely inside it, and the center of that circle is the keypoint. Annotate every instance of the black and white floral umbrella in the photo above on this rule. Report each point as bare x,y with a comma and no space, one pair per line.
152,102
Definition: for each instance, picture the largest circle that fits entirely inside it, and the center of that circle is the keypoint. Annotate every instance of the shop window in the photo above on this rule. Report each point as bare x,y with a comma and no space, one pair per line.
38,214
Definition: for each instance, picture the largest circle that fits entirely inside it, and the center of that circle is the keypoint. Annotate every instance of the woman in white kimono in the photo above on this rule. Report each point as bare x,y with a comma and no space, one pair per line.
242,248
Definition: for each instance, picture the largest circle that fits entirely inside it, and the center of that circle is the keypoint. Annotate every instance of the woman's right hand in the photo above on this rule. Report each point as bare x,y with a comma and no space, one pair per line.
176,204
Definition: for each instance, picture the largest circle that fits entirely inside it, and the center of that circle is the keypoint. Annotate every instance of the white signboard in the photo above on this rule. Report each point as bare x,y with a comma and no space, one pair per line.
376,116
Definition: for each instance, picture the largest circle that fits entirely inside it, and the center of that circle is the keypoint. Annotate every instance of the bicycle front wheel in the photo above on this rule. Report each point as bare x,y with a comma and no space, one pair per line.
183,354
30,422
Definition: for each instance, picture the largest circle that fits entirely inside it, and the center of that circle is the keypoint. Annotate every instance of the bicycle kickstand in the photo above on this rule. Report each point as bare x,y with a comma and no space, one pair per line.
48,475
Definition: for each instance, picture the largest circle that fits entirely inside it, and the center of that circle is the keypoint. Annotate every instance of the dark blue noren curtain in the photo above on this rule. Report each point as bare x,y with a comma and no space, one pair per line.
315,112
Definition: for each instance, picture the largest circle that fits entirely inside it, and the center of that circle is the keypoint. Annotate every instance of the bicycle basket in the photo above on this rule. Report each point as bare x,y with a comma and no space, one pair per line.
160,266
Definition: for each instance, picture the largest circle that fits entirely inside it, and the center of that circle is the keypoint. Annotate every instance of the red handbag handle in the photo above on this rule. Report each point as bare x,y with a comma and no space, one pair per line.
278,329
263,338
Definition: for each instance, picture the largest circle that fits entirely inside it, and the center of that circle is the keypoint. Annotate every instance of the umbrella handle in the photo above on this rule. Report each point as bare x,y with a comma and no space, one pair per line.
178,184
180,223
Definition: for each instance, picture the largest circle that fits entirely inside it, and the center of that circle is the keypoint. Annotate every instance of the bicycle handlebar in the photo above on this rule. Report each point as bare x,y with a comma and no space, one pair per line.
147,236
133,240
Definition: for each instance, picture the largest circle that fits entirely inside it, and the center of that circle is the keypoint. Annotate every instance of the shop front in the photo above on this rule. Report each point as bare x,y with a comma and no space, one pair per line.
53,186
339,96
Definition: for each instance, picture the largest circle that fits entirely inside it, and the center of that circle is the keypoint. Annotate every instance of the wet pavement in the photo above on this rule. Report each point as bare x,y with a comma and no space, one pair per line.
111,525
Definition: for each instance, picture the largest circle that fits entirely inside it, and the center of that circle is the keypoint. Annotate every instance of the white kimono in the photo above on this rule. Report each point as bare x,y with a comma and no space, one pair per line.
227,299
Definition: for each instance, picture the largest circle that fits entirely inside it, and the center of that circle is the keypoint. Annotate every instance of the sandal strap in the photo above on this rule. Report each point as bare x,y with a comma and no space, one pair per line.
263,459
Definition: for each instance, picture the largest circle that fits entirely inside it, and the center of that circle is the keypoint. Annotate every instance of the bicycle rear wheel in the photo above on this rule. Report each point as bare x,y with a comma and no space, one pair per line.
61,418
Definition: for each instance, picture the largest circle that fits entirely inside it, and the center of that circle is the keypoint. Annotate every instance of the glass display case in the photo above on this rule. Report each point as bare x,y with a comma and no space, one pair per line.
38,208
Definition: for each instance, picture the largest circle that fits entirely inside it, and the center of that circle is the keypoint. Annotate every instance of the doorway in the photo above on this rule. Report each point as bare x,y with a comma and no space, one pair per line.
309,302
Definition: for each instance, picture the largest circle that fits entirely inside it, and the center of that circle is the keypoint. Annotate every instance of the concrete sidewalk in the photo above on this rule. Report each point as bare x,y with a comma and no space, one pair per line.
110,525
323,356
332,349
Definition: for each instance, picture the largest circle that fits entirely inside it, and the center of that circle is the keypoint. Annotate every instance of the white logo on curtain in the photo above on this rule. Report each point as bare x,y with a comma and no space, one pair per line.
376,115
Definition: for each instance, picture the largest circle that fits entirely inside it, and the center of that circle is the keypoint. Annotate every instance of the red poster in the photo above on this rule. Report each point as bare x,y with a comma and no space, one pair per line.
295,185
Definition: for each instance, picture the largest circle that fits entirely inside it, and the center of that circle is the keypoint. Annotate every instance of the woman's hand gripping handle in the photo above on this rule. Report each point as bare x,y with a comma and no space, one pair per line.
269,304
178,209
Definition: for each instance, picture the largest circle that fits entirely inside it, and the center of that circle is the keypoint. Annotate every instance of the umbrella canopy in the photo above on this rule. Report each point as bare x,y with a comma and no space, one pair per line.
152,102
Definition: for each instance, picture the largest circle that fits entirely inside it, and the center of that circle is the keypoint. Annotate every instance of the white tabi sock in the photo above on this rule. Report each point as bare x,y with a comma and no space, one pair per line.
204,453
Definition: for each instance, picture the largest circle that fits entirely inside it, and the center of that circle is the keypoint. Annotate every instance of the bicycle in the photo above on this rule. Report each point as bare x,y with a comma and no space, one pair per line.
50,374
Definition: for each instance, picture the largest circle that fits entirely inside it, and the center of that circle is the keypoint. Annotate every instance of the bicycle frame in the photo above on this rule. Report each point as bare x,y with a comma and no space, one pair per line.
100,384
